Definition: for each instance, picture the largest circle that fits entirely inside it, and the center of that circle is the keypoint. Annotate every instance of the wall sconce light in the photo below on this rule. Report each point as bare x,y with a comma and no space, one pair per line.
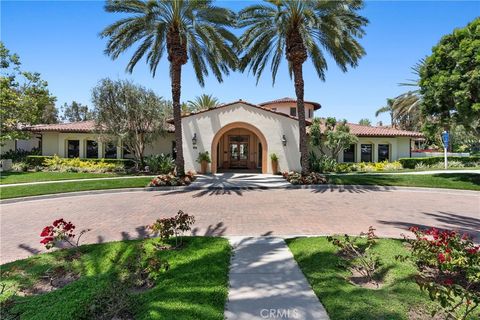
194,141
284,140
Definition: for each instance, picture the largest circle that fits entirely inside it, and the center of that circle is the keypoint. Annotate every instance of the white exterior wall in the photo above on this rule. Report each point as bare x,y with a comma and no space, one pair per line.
284,107
273,127
20,144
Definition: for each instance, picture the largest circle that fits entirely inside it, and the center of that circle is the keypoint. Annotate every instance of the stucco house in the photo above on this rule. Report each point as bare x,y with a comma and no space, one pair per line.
238,135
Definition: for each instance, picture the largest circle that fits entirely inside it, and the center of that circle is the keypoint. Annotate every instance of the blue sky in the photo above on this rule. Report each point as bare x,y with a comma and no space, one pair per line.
60,40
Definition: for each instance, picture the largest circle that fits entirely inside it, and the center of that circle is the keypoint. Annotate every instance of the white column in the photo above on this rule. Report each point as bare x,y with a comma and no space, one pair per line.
100,149
375,152
358,151
81,146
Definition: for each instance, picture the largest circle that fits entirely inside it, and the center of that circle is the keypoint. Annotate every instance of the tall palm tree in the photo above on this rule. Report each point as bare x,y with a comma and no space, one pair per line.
203,102
387,108
301,29
184,29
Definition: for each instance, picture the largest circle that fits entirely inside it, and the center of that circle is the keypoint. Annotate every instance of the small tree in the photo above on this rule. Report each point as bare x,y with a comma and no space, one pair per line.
131,112
365,122
335,137
203,102
24,98
76,112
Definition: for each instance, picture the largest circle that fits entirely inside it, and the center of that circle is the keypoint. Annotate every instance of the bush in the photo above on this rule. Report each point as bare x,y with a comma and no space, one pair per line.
172,180
448,267
56,163
19,155
160,163
410,163
345,167
59,232
321,163
296,178
39,161
203,156
359,257
20,167
174,226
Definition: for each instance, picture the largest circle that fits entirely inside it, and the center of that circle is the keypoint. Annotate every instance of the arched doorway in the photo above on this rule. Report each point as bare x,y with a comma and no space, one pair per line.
239,146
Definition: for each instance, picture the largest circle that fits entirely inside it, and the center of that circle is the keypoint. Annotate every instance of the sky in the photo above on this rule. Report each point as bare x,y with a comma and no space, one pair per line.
60,40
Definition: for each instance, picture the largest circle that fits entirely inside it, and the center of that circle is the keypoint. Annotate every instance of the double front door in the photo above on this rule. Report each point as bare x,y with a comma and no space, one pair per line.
238,151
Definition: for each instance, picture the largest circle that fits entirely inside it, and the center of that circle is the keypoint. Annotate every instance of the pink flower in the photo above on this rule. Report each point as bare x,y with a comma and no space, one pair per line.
441,258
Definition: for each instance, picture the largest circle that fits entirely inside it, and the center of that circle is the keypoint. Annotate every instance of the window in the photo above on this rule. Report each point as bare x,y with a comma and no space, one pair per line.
366,153
73,149
383,152
310,113
349,154
110,151
92,149
293,112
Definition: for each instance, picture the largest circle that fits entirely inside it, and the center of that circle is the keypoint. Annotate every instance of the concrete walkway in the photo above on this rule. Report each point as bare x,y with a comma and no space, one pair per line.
266,283
230,180
71,180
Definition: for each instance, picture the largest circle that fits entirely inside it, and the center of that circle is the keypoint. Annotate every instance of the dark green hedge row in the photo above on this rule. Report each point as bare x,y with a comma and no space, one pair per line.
410,163
38,161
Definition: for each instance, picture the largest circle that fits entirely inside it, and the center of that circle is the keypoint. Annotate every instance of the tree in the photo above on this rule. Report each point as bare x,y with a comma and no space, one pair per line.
301,29
186,29
131,112
203,102
24,98
335,137
450,80
365,122
76,112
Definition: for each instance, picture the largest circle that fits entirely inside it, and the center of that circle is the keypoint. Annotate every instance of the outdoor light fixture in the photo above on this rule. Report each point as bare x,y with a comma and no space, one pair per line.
194,141
284,140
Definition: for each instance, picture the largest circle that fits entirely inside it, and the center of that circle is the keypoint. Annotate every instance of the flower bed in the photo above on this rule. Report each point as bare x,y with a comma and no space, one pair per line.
297,178
172,180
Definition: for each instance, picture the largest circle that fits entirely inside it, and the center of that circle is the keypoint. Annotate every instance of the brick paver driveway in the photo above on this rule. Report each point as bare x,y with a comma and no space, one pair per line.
237,212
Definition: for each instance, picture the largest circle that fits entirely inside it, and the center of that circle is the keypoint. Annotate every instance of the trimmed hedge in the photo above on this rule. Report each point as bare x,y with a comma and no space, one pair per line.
38,161
410,163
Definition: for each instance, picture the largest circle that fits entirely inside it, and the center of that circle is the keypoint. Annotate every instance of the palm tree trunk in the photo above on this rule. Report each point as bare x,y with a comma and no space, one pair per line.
299,91
176,74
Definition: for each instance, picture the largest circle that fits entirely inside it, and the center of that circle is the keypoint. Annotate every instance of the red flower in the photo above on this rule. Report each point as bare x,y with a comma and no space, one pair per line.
413,229
46,232
46,240
472,250
441,258
448,282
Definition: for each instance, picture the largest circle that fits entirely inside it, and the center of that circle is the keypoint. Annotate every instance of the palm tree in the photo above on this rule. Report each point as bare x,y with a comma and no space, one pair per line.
203,102
194,30
387,108
301,29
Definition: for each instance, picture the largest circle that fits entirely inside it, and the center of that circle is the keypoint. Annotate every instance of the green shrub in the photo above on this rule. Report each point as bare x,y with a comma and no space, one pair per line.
19,155
20,167
56,163
35,160
160,163
321,163
345,167
410,163
203,156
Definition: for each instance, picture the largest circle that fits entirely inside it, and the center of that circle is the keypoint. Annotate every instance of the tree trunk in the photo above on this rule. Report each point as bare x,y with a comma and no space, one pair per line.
176,73
299,91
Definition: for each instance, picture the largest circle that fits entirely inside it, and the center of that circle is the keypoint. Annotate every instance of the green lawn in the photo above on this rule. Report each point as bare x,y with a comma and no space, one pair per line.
465,181
195,286
22,177
49,188
343,300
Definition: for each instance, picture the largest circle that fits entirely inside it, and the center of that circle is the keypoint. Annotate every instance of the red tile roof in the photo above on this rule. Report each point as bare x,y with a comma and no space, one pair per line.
316,105
80,127
370,131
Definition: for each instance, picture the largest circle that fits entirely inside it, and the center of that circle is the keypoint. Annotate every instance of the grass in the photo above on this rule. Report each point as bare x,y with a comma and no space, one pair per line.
195,286
23,177
464,181
50,188
345,301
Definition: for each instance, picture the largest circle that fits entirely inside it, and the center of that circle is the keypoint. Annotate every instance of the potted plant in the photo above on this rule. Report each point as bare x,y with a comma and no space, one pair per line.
274,159
204,160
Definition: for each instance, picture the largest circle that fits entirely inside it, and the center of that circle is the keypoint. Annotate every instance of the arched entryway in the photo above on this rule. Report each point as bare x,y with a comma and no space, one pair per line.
239,146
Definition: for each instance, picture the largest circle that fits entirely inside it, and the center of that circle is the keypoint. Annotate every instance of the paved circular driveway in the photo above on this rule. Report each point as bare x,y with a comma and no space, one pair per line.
117,216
